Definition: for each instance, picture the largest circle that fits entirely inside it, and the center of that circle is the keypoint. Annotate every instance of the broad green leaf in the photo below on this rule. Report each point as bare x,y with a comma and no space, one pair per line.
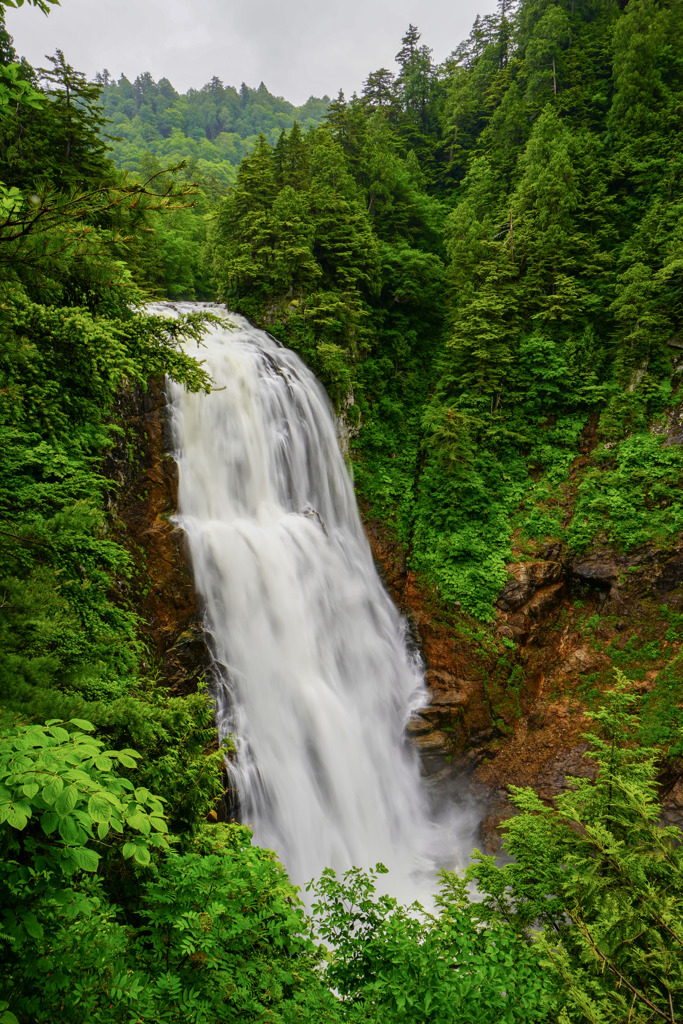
31,924
141,854
76,775
102,830
16,817
52,790
99,808
66,801
111,798
59,734
87,860
71,832
81,723
138,821
158,840
49,822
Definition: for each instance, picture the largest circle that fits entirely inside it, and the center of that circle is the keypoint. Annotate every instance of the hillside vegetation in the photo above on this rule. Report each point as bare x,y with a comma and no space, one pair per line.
477,258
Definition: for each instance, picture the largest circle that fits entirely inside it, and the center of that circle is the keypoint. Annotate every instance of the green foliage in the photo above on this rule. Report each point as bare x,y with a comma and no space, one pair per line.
232,938
662,718
216,126
203,135
603,878
64,804
391,963
293,244
60,370
631,495
66,780
203,936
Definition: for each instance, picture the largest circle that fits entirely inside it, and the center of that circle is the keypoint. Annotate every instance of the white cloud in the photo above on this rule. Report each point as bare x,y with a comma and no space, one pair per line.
297,48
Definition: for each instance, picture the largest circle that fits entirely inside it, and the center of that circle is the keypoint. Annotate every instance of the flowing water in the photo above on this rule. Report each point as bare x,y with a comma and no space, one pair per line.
317,679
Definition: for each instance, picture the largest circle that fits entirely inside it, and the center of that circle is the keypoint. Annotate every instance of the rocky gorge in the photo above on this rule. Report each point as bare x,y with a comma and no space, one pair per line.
507,700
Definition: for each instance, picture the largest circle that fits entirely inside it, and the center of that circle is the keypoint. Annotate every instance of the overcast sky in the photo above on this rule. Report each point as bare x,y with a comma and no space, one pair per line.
297,47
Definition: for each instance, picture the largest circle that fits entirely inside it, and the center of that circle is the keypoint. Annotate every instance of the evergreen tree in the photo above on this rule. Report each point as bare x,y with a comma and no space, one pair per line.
378,90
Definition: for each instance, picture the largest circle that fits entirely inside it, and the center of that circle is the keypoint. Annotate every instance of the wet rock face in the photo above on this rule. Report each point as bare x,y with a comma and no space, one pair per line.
599,567
646,570
673,425
482,733
669,579
527,579
142,510
671,790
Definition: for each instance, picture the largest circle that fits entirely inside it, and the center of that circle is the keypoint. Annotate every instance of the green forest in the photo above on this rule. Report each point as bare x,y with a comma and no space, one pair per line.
481,260
210,129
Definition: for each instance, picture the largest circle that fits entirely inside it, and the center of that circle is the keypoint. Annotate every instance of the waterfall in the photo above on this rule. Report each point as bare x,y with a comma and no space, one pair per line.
317,677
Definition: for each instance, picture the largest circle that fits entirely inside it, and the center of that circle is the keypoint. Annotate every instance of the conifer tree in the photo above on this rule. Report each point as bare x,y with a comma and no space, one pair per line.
378,90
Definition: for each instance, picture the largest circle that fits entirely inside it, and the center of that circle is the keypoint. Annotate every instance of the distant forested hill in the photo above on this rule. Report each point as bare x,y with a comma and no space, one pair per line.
212,128
150,127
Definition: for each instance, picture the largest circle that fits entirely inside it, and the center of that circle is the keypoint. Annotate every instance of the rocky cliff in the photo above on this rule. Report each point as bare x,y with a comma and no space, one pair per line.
143,505
508,700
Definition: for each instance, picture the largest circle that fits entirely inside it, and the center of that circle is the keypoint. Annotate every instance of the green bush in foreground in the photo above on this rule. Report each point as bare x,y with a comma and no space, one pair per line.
602,879
392,963
104,921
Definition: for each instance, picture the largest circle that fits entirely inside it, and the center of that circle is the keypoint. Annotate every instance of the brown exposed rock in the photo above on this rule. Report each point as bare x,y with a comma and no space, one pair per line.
581,660
475,727
544,600
600,566
432,742
670,577
648,570
672,804
418,723
143,507
526,579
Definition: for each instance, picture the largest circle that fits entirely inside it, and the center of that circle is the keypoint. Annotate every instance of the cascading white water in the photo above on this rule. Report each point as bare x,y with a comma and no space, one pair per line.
318,679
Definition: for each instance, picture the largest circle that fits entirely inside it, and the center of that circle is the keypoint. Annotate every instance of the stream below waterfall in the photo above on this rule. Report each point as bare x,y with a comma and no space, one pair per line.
316,677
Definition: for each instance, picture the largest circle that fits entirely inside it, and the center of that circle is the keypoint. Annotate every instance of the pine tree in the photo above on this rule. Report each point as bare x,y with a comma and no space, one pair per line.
552,249
545,56
291,159
378,90
242,238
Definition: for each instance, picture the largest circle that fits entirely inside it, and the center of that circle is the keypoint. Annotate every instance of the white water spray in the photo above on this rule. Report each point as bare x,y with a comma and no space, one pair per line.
318,679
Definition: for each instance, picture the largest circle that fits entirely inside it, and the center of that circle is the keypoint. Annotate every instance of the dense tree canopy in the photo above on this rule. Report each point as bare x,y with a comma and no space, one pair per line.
524,204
